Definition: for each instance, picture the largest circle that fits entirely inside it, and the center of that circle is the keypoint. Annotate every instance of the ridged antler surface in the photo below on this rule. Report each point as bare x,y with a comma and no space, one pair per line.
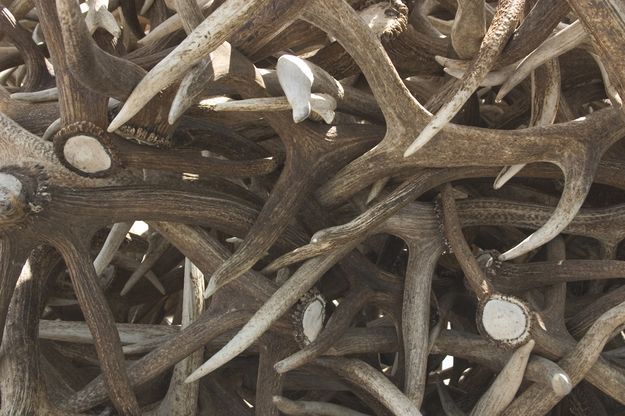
321,207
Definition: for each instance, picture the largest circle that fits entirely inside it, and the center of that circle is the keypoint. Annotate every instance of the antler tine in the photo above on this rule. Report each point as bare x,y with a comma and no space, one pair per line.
50,94
395,100
576,363
115,238
219,25
102,72
101,323
192,85
22,385
540,22
505,386
578,176
565,40
422,261
373,381
182,398
301,407
605,21
13,256
504,22
348,99
545,100
469,28
191,17
37,74
190,13
98,17
285,297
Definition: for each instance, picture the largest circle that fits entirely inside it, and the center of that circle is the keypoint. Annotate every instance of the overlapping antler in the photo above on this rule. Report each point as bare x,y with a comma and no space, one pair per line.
226,149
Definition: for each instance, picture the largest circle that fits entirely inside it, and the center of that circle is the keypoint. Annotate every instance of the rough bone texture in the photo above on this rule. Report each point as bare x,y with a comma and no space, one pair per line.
312,207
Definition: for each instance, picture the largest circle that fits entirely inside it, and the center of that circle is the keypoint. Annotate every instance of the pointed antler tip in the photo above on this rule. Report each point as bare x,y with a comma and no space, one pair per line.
211,288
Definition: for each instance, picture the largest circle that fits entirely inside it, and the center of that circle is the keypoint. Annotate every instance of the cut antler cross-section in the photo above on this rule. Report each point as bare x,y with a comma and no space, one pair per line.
328,207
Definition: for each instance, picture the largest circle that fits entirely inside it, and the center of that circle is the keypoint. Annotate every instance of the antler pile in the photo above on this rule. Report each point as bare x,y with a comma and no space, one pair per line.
320,207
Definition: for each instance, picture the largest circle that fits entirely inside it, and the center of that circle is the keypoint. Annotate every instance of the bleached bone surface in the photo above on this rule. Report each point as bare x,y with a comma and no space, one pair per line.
255,155
87,154
296,80
505,319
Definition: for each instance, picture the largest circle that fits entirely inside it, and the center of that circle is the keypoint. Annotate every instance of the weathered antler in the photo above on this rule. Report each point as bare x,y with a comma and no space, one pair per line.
293,160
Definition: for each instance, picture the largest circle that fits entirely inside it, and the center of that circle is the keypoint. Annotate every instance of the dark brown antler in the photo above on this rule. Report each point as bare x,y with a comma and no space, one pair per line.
292,160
